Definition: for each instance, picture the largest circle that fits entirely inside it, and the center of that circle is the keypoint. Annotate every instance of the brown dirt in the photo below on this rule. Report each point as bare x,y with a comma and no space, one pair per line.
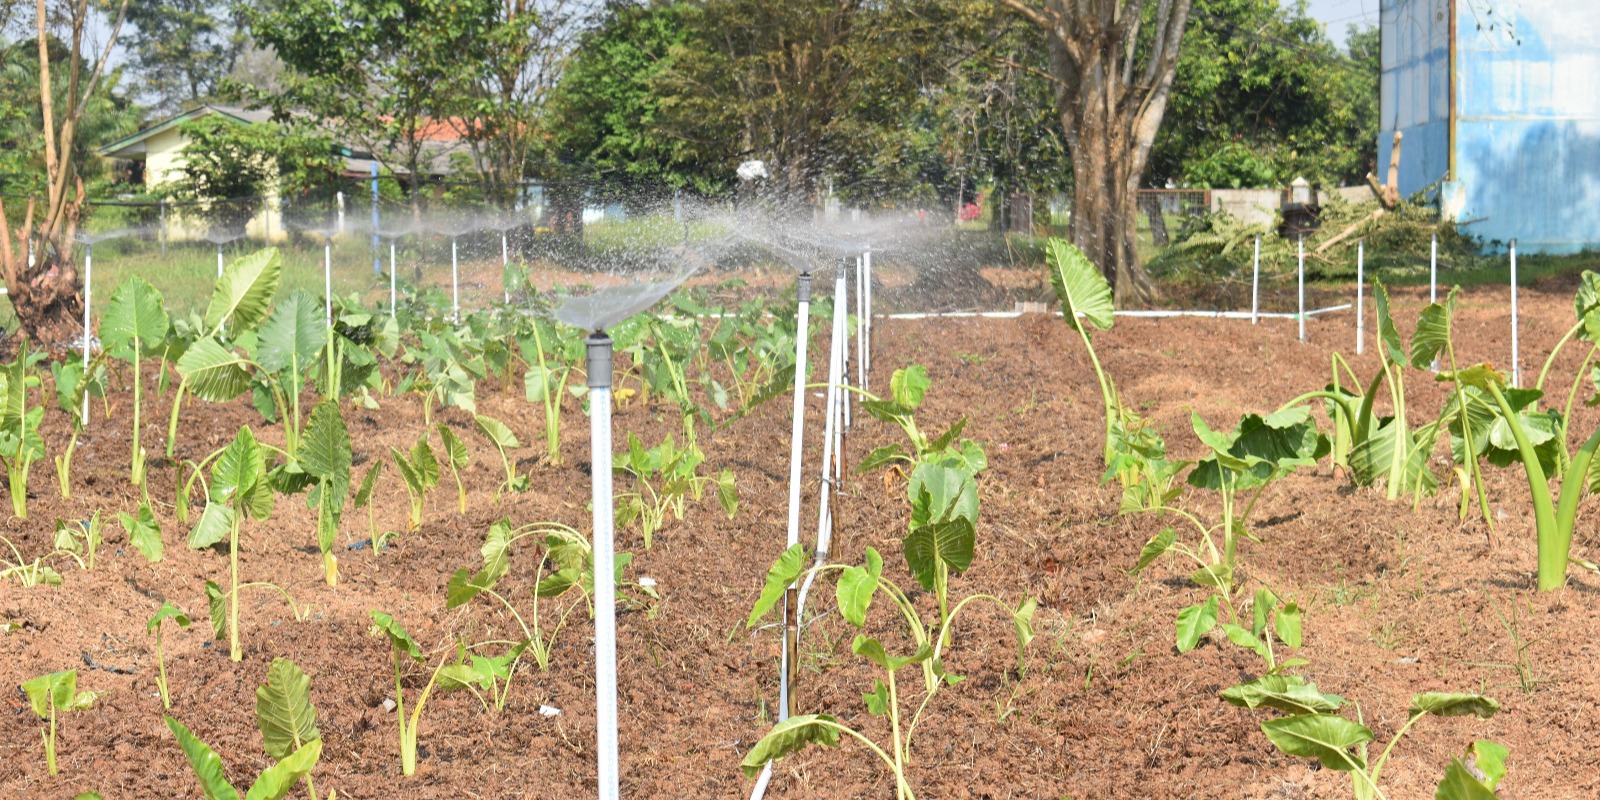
1398,601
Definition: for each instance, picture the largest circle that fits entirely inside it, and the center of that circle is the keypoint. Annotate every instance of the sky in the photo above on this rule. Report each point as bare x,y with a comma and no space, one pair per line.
1337,15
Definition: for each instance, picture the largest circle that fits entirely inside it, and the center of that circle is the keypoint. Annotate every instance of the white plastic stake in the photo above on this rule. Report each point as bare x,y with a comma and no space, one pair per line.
455,283
327,279
1255,284
605,591
1301,248
795,448
1361,285
1516,369
1433,270
391,278
88,281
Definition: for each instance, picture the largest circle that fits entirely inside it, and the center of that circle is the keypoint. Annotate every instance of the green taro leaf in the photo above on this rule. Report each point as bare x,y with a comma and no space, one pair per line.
877,700
950,543
243,294
217,607
1442,704
1388,334
144,533
206,763
455,450
497,432
1433,331
1079,285
909,385
882,456
135,313
1587,298
1328,738
165,612
398,638
1155,548
1288,622
278,780
856,587
284,713
57,689
1291,694
789,736
1195,622
325,449
872,650
293,336
1460,784
215,525
1490,759
364,494
237,470
212,372
1242,637
780,577
727,492
940,491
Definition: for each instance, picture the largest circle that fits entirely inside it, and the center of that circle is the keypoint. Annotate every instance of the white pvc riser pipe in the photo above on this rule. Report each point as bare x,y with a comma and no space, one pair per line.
219,261
327,279
605,590
88,281
505,259
391,279
455,283
1433,269
830,430
1361,284
1301,248
842,293
861,323
803,320
1516,368
1255,284
866,363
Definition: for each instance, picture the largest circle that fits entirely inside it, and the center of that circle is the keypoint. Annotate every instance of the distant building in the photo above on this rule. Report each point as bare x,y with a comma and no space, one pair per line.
154,156
1499,104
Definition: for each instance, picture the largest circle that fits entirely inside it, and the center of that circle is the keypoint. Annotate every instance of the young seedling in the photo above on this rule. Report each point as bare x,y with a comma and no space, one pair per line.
566,549
445,675
134,326
144,532
72,389
35,572
49,695
82,537
1314,729
666,477
238,490
499,434
455,457
1082,289
420,471
166,612
325,456
20,443
554,353
274,783
856,588
285,716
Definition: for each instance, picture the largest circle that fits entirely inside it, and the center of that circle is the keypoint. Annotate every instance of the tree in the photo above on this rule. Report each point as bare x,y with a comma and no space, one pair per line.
183,49
1265,97
46,296
1113,63
385,76
229,167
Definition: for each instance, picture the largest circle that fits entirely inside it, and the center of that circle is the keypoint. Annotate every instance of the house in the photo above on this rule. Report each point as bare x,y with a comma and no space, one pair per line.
154,156
1499,104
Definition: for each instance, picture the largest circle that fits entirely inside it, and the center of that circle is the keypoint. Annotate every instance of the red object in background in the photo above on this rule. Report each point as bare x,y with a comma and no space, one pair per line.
970,212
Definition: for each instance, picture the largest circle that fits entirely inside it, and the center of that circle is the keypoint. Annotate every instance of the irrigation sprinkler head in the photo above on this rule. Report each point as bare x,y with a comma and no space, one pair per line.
607,307
802,286
599,361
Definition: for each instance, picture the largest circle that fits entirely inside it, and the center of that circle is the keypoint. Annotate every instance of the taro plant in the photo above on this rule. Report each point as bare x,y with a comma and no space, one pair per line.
35,572
1249,459
325,458
456,458
419,469
665,478
52,694
499,434
363,499
82,537
154,627
1313,728
285,716
1522,433
144,532
287,349
135,326
73,387
566,550
554,352
1083,290
445,675
857,586
20,443
238,490
274,782
942,484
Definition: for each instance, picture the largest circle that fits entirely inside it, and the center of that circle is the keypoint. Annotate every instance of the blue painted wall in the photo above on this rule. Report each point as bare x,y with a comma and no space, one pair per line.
1527,115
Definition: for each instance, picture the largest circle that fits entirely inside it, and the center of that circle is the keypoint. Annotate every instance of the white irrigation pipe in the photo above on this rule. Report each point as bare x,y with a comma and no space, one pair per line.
327,277
1516,369
88,281
866,363
455,283
219,260
391,279
505,261
1159,313
605,591
842,292
1433,269
1361,283
830,435
1301,269
1255,283
803,312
